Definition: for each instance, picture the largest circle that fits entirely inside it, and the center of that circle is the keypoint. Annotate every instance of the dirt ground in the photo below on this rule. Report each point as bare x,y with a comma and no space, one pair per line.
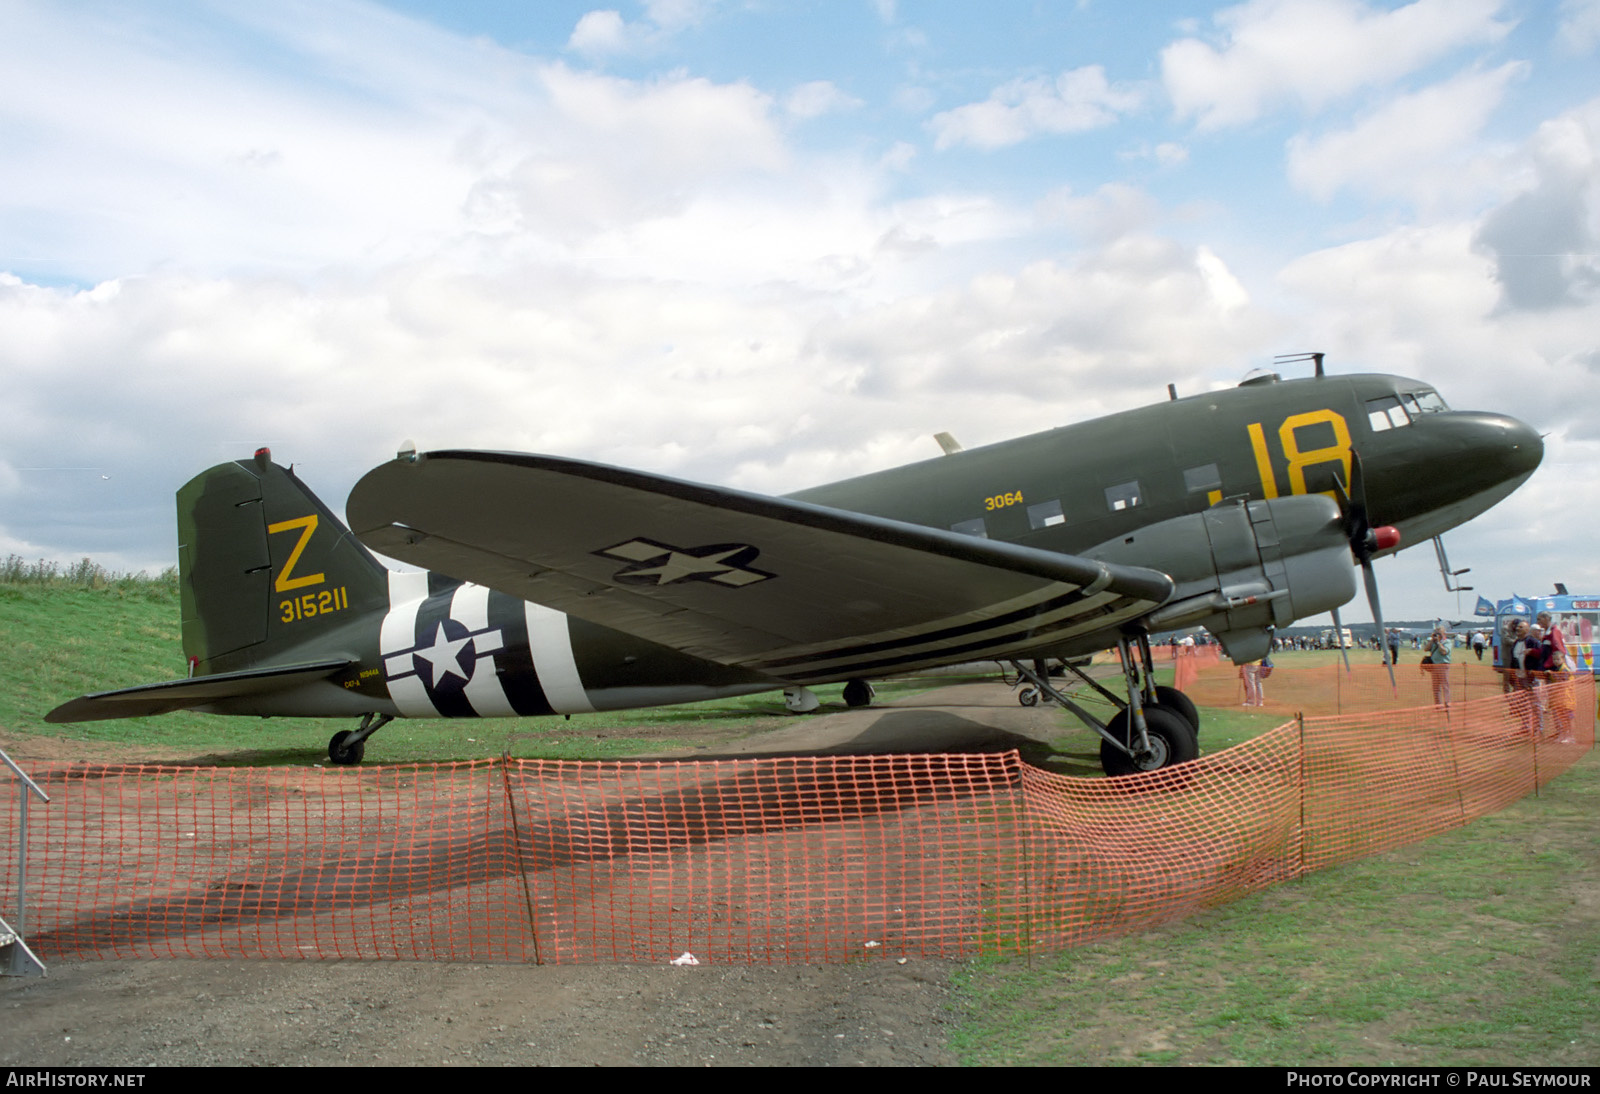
187,1013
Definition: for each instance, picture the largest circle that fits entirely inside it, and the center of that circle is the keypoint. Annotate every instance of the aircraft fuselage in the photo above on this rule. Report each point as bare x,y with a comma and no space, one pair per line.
1075,488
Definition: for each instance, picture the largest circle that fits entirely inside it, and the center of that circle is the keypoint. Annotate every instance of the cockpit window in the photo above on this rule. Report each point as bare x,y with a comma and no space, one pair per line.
1386,413
1428,402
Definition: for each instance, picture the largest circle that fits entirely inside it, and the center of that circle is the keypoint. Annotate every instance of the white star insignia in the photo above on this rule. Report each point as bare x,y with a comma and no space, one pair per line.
444,655
662,564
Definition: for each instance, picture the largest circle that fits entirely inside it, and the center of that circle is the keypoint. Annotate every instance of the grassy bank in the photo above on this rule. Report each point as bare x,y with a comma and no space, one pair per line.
81,630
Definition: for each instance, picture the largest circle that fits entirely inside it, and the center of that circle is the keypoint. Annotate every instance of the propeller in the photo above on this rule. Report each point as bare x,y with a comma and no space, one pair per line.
1338,637
1366,541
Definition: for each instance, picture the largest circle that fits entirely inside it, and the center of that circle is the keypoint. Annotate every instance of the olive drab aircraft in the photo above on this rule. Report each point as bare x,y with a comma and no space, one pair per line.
554,586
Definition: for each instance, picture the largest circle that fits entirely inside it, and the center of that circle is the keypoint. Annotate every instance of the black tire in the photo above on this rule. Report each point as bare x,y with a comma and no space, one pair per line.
1175,700
1028,696
344,754
858,693
1172,742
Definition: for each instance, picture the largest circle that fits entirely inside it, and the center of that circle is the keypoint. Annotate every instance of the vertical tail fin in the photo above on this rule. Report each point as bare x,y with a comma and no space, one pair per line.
264,566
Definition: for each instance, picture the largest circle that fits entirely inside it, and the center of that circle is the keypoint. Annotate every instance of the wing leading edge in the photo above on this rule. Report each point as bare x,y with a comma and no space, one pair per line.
801,592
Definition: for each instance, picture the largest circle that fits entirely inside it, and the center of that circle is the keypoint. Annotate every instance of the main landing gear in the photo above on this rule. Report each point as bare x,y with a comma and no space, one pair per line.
349,745
1157,727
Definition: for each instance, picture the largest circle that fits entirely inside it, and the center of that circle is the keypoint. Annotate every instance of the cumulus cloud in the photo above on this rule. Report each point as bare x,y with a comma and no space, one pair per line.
1546,240
604,33
1580,26
1423,302
1073,102
769,391
816,98
1110,212
608,151
1411,147
1313,52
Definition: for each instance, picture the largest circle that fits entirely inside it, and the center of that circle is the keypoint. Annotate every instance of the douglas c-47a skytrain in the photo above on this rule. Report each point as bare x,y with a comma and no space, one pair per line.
559,586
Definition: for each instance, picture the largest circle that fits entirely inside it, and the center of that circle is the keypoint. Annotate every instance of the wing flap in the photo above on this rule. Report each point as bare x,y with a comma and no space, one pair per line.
772,584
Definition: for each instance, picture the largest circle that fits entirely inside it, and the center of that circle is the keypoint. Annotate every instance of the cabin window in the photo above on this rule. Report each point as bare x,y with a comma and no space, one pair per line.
1385,413
1047,514
1198,480
973,527
1124,496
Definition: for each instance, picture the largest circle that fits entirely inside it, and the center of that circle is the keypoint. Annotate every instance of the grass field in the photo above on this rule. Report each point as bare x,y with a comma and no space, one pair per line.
1477,947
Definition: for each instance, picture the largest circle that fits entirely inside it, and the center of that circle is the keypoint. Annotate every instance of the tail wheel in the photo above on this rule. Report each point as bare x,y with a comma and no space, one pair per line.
1028,696
1172,742
1177,701
342,753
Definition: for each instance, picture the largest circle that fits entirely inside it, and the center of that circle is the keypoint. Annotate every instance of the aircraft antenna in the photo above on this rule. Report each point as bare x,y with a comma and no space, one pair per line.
1172,392
1315,358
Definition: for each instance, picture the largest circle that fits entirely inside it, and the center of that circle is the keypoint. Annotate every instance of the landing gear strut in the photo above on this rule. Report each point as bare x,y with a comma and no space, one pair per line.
349,745
1157,727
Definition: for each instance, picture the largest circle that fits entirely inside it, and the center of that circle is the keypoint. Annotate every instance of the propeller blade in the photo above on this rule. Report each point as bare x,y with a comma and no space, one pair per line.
1377,615
1353,503
1338,637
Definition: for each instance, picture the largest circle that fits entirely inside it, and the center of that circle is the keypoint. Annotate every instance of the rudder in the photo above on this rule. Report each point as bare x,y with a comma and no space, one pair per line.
264,565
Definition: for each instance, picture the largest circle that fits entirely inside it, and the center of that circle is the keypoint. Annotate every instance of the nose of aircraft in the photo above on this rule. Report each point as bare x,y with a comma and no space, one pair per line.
1502,441
1447,468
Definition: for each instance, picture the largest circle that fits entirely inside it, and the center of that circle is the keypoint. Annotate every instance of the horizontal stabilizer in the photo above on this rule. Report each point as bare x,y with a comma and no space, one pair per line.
195,692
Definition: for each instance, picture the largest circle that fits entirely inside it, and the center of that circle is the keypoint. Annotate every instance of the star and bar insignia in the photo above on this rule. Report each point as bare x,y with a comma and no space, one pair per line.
655,563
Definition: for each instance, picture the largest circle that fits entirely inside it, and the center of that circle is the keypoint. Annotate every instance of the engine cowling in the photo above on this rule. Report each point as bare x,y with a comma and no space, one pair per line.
1241,567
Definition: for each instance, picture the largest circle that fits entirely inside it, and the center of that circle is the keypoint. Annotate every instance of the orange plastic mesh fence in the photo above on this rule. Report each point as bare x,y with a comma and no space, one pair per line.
760,860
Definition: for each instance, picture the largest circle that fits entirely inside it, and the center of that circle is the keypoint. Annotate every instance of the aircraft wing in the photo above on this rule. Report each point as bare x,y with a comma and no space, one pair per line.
802,592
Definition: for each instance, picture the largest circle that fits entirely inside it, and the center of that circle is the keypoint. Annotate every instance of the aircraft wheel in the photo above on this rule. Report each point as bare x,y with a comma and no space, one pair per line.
341,753
858,693
1172,742
1175,700
1028,696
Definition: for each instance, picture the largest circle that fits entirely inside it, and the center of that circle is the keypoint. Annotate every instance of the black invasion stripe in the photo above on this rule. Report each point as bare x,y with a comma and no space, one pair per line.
1045,608
952,654
519,676
439,584
449,700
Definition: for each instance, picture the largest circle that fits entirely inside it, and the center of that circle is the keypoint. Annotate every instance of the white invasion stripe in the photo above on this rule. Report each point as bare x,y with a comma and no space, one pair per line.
485,692
406,587
550,642
913,635
1009,634
399,632
996,649
410,697
470,607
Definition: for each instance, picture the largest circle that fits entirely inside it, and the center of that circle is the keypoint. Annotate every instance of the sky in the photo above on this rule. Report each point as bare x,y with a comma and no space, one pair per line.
770,245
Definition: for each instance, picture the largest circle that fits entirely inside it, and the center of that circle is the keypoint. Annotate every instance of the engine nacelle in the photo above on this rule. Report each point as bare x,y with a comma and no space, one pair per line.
1241,567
